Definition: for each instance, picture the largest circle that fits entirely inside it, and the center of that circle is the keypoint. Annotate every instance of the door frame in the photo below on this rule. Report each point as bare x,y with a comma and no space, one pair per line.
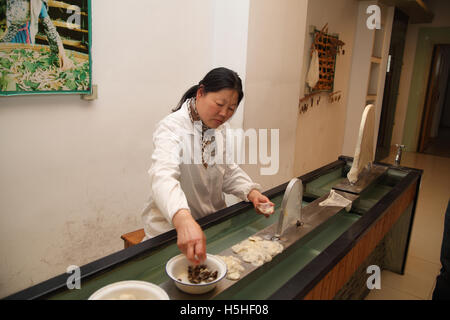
431,97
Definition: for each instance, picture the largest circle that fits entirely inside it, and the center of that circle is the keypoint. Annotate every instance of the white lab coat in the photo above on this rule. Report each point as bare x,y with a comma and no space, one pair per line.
179,184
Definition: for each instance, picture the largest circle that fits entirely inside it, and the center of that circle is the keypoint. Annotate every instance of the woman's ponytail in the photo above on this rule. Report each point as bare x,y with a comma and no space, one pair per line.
191,93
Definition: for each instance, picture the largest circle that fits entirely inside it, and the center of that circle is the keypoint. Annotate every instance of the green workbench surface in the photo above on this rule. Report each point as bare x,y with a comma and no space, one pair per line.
262,283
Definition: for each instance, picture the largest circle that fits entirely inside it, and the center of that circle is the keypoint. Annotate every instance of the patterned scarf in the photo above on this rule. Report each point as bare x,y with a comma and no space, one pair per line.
207,137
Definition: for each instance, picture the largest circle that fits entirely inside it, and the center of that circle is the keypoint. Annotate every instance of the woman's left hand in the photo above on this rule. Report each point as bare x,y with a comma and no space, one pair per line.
257,198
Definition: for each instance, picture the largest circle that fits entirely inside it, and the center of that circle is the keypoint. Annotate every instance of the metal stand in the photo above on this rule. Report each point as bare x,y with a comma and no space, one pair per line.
367,177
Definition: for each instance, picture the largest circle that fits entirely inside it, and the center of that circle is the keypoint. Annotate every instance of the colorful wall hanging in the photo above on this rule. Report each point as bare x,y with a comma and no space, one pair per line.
321,72
45,47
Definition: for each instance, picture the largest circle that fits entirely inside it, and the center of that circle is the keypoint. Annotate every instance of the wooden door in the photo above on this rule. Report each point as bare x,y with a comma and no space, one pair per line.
432,98
391,85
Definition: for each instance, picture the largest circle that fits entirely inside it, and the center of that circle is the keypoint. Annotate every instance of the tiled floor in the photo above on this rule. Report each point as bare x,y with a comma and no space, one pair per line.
423,264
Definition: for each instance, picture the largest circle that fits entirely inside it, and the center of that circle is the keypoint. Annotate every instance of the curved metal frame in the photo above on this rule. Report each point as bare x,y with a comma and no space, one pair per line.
288,194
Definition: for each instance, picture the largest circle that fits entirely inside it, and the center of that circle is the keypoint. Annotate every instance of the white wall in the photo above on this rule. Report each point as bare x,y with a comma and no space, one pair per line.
73,174
229,43
360,72
274,67
320,131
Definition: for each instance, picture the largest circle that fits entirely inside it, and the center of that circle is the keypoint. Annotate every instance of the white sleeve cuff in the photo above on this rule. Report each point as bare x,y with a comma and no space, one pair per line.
249,188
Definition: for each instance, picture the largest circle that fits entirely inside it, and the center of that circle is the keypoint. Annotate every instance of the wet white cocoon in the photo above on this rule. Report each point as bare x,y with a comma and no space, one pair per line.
257,251
234,267
266,209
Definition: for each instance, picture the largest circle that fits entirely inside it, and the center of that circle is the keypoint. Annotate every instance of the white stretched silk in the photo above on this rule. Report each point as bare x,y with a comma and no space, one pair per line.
364,146
313,73
336,200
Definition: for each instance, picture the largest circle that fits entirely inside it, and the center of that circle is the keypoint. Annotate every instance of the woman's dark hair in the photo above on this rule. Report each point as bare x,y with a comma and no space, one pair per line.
215,80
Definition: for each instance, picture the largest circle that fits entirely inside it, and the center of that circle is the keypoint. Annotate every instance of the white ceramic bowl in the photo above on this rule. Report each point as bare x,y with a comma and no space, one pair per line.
177,268
130,290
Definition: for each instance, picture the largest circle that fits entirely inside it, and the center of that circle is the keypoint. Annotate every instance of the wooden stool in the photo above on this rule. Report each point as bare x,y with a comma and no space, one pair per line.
132,238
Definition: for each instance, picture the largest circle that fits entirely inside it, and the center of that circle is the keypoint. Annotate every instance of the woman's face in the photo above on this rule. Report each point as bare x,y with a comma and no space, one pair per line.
215,108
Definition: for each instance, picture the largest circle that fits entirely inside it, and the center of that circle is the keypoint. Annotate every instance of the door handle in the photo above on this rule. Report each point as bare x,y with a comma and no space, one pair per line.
389,64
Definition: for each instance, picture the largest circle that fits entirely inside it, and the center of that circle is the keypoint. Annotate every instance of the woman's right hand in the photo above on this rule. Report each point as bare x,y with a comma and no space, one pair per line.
190,237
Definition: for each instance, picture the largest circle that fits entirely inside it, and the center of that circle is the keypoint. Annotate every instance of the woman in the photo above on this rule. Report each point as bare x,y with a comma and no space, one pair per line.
22,20
183,189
